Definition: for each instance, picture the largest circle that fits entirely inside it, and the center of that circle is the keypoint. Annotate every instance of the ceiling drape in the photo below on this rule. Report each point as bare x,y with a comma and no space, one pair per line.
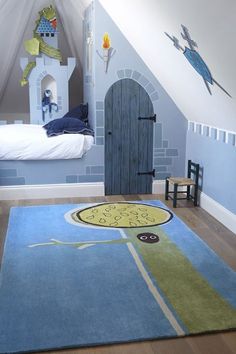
71,15
14,16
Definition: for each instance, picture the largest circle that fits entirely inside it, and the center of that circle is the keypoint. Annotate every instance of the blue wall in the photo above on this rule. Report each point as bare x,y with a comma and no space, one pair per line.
90,168
215,151
170,129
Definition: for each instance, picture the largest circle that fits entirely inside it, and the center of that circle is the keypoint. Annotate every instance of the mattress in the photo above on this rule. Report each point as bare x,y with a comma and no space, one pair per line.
30,142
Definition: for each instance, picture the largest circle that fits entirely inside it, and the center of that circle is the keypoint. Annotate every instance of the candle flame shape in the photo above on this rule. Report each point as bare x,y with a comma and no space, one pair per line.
106,41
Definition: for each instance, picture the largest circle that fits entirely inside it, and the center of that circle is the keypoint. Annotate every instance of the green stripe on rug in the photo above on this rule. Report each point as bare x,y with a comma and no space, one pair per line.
196,303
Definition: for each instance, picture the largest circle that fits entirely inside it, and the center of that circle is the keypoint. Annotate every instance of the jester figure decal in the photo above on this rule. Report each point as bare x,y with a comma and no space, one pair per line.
46,24
47,105
195,59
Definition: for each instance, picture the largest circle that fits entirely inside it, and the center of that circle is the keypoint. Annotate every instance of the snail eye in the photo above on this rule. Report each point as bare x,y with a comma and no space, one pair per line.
143,237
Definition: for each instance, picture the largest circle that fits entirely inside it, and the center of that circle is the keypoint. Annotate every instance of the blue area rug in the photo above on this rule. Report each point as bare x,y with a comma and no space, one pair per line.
67,282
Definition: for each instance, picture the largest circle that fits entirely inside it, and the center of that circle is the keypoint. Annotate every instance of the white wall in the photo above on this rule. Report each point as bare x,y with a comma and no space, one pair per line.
212,25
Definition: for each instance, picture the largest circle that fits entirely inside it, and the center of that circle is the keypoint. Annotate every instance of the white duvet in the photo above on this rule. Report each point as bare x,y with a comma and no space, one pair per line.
30,142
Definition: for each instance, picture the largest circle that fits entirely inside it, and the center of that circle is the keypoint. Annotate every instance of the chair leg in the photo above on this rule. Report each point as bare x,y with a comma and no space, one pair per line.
167,190
188,192
175,195
195,195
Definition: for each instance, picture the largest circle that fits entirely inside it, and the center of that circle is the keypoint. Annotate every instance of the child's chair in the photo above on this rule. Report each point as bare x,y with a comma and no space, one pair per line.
191,180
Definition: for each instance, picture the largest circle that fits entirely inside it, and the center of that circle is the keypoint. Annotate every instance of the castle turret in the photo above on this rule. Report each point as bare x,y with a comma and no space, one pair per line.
48,80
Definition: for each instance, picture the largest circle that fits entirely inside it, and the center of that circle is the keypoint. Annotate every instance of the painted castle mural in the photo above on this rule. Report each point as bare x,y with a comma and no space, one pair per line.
48,80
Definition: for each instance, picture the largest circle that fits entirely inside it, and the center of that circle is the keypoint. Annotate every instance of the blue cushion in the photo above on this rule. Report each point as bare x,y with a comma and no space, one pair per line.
67,125
80,112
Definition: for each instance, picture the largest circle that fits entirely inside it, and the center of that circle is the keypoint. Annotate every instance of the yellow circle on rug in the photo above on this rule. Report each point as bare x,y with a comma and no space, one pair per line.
122,215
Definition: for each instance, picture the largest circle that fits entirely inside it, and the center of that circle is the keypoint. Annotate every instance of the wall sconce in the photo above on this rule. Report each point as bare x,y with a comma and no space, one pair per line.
108,51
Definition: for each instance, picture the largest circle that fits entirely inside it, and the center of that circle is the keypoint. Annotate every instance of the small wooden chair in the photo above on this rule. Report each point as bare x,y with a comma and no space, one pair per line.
191,180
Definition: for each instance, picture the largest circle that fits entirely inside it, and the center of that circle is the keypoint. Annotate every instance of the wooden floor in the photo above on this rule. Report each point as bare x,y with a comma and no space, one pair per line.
211,231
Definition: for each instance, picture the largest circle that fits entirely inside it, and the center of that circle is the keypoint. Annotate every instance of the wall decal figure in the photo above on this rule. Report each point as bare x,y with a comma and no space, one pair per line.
195,59
47,105
108,51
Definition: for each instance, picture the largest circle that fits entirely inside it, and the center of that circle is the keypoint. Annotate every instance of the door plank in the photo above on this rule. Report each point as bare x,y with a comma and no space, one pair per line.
125,113
116,147
133,155
108,140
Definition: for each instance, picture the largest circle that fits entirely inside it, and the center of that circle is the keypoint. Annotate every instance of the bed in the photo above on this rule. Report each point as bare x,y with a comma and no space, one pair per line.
30,142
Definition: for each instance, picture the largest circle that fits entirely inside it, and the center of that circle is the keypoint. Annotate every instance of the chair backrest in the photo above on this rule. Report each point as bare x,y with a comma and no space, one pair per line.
193,171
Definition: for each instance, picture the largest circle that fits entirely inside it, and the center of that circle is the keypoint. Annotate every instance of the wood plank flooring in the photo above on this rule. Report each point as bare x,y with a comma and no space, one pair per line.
220,239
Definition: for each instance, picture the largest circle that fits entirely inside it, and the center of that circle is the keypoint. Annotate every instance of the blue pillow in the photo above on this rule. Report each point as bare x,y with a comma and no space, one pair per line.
80,112
67,126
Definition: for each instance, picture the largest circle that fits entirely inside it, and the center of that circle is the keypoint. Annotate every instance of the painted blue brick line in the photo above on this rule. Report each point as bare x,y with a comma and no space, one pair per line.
128,73
166,161
158,135
88,170
136,75
154,96
206,131
12,181
99,105
100,131
150,88
222,136
165,144
99,141
159,154
100,118
232,139
171,152
120,74
214,133
71,179
91,178
191,126
143,81
97,170
8,172
159,150
162,175
198,128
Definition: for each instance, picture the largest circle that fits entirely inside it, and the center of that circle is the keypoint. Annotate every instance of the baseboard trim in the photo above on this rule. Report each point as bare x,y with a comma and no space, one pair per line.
225,216
45,191
158,187
65,190
96,189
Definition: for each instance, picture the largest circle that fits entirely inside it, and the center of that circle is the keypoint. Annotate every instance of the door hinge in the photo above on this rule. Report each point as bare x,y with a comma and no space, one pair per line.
152,173
153,118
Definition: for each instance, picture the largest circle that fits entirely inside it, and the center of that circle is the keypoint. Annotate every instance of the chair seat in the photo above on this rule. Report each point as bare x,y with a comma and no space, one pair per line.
181,181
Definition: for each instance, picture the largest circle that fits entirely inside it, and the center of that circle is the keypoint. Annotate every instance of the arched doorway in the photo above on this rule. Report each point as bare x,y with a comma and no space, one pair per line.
129,119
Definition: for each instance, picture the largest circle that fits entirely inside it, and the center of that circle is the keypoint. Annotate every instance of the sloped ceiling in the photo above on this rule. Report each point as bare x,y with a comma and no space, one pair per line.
211,24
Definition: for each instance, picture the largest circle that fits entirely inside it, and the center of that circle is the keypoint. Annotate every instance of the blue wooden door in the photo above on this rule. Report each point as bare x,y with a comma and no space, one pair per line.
128,139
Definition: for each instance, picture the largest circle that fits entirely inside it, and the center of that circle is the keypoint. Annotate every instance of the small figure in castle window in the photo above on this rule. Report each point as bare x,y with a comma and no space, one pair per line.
47,105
